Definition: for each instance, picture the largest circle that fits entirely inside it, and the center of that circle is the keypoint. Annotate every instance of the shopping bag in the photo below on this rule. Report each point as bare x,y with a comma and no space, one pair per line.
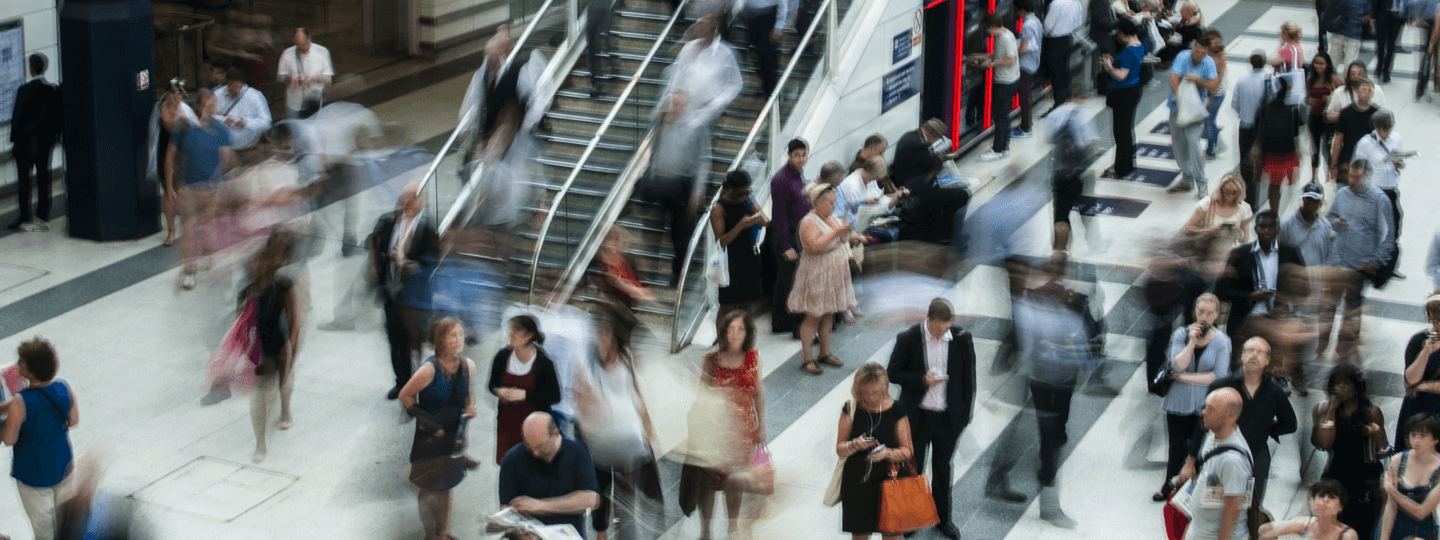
759,476
1189,107
718,266
234,362
832,493
906,503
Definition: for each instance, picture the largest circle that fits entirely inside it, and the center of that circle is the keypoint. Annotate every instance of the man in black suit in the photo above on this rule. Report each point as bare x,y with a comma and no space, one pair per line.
402,239
914,160
926,358
1252,275
36,124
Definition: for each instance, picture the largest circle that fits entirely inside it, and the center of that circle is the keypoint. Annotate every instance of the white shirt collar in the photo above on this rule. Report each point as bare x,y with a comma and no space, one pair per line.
944,336
1274,246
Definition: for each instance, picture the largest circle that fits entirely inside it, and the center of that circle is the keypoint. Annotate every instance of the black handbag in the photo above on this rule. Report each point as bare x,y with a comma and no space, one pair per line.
1162,382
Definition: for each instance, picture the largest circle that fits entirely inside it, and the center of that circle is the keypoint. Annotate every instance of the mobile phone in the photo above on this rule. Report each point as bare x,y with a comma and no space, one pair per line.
940,377
877,450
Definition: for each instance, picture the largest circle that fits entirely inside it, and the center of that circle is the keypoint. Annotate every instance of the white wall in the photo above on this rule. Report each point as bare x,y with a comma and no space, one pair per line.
42,35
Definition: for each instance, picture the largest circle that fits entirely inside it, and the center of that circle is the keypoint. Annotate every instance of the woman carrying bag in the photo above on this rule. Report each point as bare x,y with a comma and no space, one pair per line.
875,438
438,396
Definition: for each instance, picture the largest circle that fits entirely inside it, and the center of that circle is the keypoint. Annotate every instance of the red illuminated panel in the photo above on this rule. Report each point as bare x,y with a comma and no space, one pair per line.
957,108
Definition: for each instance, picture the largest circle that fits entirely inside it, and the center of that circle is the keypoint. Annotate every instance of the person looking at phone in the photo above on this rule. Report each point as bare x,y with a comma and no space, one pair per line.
1365,236
934,364
874,433
1199,355
1422,371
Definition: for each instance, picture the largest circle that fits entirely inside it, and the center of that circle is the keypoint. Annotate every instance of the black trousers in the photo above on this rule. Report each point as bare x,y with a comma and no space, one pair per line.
1179,427
1052,412
597,33
626,492
1123,103
1395,213
41,165
397,330
1055,63
758,26
1000,107
781,319
931,429
1388,28
674,195
1248,172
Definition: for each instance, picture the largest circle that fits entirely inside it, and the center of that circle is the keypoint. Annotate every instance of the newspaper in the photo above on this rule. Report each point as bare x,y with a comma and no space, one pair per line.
1399,155
509,520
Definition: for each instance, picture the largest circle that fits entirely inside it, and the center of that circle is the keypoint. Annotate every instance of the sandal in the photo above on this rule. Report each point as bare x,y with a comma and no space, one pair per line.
169,241
830,360
811,367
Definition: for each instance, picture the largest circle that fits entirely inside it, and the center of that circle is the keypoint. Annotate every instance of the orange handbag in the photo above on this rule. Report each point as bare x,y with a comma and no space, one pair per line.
906,504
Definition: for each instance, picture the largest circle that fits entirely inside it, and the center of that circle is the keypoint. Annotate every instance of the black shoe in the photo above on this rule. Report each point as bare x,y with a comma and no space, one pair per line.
1385,79
16,225
394,392
948,529
1003,492
216,395
348,249
1164,493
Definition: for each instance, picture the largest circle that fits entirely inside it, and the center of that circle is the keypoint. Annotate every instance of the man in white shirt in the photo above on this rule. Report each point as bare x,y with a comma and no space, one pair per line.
863,187
1062,19
243,109
306,71
1375,148
707,72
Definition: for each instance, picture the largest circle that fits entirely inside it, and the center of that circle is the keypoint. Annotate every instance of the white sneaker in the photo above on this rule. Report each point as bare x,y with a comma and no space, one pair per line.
187,282
35,225
991,155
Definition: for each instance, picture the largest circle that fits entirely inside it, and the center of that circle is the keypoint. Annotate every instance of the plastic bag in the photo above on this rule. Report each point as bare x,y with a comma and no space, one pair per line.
718,266
234,361
1189,106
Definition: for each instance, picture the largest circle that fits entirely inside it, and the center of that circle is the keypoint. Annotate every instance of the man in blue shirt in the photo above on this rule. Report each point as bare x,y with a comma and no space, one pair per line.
1196,67
205,149
550,477
1342,20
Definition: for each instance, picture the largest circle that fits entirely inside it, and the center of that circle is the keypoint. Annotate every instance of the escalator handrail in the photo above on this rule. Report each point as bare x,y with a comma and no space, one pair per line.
745,149
590,149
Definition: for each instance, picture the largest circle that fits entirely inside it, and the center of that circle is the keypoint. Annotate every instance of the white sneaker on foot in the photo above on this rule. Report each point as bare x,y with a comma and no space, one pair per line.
991,155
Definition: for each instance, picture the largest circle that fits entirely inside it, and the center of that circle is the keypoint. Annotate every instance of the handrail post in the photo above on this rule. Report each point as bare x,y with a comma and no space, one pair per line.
572,18
777,147
832,37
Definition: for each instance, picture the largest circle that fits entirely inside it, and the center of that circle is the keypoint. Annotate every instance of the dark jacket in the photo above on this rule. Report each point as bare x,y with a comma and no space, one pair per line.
38,118
1102,26
907,368
547,385
1238,282
424,245
913,161
1267,414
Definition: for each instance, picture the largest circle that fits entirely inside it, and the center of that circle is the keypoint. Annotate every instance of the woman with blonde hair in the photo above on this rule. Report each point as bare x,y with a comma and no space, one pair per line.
873,434
1224,213
822,279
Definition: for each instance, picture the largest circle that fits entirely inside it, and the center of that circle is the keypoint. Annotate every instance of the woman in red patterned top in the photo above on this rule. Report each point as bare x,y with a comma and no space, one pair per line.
618,279
733,372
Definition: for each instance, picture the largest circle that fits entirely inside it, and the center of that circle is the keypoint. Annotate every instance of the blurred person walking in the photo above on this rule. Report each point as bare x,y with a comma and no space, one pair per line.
707,72
598,18
1216,51
1363,243
789,205
1252,93
924,357
400,241
679,170
1343,20
1073,135
36,125
732,387
38,427
169,111
306,70
1349,427
822,279
874,433
1422,372
243,109
737,223
1199,355
1280,125
765,23
1124,71
1355,73
1320,83
1409,483
1355,122
1252,277
202,152
279,316
524,379
438,396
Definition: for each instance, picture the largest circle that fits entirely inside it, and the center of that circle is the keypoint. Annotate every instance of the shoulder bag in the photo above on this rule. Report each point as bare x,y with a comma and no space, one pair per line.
832,493
906,504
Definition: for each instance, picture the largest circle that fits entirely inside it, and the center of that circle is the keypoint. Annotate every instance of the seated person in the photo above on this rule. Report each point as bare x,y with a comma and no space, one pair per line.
549,477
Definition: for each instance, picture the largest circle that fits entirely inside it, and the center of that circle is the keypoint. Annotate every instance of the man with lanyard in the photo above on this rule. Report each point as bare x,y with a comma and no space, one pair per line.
1224,484
1061,20
1196,67
243,109
1376,148
1251,95
307,70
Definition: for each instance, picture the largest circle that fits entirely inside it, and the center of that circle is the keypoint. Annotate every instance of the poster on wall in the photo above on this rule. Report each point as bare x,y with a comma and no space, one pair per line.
899,85
12,66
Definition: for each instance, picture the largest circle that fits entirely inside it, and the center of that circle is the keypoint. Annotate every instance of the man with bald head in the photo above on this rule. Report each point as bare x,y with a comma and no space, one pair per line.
1221,492
549,477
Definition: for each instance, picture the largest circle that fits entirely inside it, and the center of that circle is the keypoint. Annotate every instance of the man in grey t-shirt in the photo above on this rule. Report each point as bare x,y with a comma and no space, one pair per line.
1006,62
1221,491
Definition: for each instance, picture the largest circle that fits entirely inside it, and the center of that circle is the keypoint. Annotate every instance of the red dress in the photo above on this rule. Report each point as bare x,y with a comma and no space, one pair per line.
512,415
738,386
621,272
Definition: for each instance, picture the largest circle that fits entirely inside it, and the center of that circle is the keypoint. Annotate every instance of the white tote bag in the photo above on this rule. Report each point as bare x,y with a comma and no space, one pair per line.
717,268
1189,106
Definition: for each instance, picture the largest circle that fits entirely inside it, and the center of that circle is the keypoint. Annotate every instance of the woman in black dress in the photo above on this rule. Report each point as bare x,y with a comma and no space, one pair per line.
1422,372
1343,426
277,325
877,435
736,221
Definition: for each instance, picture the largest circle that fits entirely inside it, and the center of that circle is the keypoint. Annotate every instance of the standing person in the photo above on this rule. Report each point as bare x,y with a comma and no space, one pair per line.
1217,98
1223,217
1199,355
1102,19
1198,68
1192,25
1422,372
439,398
550,477
278,320
1365,238
1348,426
1280,126
1124,97
163,125
1062,18
243,109
400,240
1309,233
924,357
789,206
1225,470
680,167
1005,60
306,70
765,22
822,279
1320,83
202,152
1410,483
736,221
1375,147
1251,94
38,427
916,157
1389,21
598,18
732,373
874,434
1031,37
1252,276
1343,20
524,379
1355,73
1354,123
35,126
1328,500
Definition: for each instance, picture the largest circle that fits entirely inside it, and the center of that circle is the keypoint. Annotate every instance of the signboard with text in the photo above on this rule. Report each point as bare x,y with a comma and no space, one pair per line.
900,47
899,85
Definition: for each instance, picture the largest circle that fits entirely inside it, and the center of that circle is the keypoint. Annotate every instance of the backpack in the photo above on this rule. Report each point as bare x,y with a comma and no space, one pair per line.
1177,520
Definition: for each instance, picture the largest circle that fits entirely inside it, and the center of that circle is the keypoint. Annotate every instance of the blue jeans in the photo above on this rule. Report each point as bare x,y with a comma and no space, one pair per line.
1212,131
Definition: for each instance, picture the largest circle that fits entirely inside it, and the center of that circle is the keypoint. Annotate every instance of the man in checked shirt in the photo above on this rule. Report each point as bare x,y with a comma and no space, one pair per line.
1365,236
